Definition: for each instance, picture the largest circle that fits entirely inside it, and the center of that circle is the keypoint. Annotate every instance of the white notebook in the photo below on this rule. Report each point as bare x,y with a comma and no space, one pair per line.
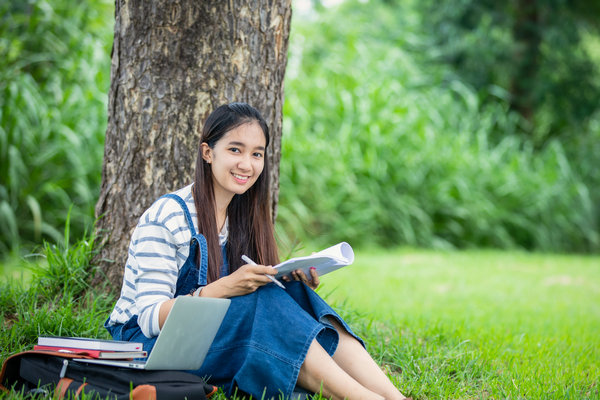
324,261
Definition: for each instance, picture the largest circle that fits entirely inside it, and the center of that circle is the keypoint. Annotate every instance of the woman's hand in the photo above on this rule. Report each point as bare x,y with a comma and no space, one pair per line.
246,279
299,275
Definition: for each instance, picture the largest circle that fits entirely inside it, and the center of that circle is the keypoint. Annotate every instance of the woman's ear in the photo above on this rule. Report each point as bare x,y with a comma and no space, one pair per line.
206,152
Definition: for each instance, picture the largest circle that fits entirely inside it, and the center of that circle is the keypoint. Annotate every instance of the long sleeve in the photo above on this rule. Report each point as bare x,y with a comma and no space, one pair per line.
154,250
158,249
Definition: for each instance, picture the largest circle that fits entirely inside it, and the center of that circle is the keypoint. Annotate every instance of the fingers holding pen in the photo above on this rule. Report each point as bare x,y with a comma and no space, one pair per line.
247,279
247,259
260,269
258,272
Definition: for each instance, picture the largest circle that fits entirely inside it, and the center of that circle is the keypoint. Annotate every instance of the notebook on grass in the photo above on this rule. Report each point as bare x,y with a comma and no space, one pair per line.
184,338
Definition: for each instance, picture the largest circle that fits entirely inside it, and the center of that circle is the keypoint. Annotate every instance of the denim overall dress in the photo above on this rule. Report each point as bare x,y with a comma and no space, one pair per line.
265,335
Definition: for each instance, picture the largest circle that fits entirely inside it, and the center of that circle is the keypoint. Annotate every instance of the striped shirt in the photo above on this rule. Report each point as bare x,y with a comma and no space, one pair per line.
158,249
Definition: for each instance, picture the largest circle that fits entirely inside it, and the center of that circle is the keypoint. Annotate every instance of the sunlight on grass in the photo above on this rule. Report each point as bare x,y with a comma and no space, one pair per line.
524,324
19,268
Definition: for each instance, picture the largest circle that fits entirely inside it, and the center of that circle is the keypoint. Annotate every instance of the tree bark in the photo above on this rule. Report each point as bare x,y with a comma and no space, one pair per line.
527,35
172,63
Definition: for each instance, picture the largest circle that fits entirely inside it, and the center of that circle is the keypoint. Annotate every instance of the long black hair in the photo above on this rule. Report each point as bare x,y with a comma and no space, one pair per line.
250,225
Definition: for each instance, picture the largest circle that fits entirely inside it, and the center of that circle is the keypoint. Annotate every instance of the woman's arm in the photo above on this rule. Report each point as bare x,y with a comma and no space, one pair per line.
246,279
163,312
154,254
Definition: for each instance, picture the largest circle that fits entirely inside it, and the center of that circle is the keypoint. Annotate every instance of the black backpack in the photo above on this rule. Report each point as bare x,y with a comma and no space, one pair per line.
46,372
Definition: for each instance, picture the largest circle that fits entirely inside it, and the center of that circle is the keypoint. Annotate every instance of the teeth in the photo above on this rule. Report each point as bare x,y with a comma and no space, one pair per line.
240,176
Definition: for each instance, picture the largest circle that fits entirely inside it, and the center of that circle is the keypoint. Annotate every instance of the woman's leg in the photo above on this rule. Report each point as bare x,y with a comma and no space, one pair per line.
320,372
353,358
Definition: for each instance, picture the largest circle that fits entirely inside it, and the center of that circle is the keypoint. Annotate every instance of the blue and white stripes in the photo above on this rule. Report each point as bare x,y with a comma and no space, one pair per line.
158,249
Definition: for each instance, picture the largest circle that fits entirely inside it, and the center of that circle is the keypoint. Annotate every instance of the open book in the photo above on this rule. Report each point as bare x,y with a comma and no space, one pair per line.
324,261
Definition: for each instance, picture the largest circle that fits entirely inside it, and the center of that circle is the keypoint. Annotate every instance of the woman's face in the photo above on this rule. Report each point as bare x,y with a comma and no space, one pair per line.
236,160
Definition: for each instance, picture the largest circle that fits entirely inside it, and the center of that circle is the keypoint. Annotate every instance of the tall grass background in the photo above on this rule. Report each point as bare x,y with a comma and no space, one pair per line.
379,148
54,78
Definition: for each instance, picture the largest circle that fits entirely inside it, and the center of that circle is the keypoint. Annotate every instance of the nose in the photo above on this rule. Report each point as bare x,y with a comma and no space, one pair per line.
245,163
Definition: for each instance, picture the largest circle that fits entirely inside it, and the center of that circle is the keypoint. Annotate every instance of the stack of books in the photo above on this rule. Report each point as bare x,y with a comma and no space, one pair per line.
95,348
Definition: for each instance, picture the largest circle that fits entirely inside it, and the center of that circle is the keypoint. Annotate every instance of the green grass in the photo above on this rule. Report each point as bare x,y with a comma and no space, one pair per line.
19,268
478,324
444,325
55,298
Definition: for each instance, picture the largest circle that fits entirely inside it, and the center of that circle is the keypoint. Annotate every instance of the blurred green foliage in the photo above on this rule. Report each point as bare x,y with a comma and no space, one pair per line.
381,148
387,139
531,54
54,76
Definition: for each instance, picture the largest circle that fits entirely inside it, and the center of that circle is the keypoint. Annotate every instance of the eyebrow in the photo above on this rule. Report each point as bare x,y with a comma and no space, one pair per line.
243,145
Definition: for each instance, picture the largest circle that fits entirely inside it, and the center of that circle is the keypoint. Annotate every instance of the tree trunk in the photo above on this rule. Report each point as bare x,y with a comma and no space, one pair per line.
527,35
172,63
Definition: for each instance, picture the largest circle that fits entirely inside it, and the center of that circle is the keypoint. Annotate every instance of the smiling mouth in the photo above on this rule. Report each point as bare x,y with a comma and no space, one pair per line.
241,178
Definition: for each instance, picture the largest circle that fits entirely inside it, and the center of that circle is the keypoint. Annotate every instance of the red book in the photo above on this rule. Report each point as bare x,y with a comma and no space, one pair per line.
102,354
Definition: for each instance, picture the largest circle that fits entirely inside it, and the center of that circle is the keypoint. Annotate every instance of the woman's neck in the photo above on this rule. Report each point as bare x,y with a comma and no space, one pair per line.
221,217
221,204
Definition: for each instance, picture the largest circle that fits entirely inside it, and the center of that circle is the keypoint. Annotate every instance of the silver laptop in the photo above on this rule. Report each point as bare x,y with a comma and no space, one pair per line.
184,338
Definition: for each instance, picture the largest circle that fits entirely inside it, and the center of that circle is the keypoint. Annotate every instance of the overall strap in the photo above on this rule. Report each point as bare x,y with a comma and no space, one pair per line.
197,243
186,211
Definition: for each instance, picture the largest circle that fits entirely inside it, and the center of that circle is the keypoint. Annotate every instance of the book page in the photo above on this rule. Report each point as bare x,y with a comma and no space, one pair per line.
324,261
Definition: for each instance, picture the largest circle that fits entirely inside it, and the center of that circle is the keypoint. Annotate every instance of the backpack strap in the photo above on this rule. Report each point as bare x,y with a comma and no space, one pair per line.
36,372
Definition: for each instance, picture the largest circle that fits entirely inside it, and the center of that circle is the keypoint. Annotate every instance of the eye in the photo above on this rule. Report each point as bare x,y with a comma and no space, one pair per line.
234,150
258,155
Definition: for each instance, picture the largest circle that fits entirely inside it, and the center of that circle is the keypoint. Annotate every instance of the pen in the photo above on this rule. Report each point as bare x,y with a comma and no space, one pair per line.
249,261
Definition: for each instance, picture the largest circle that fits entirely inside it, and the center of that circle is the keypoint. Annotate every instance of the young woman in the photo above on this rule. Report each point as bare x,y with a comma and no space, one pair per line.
271,340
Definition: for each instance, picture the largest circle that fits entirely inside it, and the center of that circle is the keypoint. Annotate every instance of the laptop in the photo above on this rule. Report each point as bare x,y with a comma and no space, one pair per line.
185,337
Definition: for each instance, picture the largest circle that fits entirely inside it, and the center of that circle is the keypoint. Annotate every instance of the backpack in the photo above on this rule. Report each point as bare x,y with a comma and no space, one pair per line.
49,372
